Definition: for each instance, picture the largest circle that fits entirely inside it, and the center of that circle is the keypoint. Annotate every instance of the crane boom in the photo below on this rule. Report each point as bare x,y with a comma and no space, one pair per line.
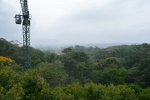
25,20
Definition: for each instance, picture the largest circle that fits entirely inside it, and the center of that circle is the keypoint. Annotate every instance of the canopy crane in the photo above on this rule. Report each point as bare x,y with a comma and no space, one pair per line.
24,19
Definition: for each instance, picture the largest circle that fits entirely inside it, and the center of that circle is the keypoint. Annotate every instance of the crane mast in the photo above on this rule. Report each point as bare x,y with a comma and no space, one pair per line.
25,20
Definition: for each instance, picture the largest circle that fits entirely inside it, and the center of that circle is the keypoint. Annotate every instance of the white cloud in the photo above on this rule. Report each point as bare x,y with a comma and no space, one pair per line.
84,21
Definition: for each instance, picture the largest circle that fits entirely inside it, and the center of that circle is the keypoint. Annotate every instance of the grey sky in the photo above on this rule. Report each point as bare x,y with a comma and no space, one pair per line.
58,22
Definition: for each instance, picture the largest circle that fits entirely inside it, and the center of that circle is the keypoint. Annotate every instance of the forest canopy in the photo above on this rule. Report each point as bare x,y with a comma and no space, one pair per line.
78,73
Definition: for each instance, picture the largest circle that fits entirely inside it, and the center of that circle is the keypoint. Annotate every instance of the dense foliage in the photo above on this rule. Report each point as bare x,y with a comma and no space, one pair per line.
79,73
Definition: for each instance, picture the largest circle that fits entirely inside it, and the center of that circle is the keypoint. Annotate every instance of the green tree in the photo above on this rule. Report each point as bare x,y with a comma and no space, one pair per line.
50,57
145,94
37,56
111,75
75,63
15,93
2,93
53,73
8,77
35,86
120,92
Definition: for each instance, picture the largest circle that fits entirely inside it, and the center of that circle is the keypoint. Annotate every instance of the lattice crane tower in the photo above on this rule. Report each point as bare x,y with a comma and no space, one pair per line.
24,19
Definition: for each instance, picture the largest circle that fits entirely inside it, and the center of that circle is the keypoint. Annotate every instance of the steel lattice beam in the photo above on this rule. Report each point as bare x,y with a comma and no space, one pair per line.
25,20
26,45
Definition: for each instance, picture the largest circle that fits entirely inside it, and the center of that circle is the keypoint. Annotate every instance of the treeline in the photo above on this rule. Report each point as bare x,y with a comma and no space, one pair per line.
79,73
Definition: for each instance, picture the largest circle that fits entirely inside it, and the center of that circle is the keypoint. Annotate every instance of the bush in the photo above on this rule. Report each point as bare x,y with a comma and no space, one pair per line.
145,94
5,61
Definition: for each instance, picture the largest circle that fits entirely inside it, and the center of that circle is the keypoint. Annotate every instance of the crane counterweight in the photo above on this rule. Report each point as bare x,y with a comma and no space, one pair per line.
18,19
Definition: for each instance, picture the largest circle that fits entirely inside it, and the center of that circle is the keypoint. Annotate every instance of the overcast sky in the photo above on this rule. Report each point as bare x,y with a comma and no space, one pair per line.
61,22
